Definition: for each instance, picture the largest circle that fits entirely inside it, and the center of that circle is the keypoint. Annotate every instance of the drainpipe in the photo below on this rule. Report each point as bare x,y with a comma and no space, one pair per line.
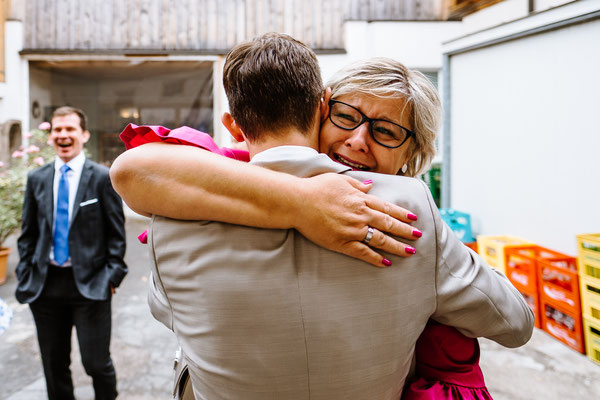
446,136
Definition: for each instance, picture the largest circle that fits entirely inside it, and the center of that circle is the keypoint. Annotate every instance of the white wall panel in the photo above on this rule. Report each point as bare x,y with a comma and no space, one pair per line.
526,136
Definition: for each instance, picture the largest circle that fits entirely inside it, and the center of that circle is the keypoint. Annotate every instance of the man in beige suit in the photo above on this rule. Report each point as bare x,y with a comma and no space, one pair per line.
266,314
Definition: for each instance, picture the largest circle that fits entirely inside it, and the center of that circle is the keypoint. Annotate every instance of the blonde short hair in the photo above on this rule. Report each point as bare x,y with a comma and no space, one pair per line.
385,77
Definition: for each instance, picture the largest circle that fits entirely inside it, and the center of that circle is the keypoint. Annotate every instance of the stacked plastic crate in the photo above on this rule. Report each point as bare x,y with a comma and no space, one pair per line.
549,283
588,257
491,248
560,301
460,223
521,270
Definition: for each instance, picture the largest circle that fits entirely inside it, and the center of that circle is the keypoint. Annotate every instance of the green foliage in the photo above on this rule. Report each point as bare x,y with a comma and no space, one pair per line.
13,179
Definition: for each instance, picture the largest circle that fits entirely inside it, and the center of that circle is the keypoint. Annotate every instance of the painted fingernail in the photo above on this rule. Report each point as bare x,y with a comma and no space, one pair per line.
411,216
368,182
417,233
410,250
386,262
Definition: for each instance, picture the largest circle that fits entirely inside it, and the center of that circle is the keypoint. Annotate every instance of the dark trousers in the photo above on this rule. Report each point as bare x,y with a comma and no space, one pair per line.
56,311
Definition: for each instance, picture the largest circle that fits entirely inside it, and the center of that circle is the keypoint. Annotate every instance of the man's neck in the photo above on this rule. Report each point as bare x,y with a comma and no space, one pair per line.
291,138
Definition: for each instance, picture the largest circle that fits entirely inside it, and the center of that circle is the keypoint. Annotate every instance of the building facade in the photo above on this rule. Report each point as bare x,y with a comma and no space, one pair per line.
159,61
519,81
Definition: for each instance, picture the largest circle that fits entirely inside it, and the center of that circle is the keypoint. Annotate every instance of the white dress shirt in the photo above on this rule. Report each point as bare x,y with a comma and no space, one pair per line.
73,177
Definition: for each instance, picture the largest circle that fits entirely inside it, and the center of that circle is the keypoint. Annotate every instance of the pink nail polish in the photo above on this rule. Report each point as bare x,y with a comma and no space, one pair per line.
386,262
410,250
368,182
417,233
411,216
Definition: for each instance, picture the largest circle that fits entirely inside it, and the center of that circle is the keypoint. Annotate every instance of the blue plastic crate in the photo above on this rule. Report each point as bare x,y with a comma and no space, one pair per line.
459,222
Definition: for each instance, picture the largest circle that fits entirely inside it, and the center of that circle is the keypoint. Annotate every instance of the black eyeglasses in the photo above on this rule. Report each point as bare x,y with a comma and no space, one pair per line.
386,133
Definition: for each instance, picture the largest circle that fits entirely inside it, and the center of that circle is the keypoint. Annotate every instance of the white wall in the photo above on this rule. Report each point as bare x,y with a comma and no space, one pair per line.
525,136
541,5
415,44
14,92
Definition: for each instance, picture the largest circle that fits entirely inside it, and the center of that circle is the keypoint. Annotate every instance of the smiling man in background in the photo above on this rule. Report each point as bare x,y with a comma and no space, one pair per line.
71,252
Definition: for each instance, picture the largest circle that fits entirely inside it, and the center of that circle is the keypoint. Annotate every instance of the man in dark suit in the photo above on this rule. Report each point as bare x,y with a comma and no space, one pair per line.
71,252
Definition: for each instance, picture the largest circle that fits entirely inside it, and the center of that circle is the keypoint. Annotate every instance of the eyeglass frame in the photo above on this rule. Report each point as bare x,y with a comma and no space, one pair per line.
370,121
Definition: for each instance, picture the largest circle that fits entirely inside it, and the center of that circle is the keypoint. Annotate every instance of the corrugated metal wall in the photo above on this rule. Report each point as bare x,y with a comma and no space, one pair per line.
201,26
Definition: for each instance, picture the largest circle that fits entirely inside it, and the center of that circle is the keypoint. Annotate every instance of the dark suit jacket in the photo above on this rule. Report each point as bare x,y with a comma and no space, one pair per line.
96,234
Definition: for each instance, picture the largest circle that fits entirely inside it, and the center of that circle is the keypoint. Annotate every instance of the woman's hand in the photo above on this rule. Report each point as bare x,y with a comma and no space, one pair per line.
335,212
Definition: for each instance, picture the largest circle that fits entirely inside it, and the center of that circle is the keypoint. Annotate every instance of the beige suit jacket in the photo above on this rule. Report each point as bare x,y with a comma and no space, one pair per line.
266,314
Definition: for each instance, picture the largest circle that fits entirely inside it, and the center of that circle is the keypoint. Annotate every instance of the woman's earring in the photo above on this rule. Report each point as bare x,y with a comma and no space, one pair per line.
404,168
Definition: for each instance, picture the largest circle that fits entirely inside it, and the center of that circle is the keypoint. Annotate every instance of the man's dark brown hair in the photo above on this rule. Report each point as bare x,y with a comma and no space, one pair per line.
67,110
273,83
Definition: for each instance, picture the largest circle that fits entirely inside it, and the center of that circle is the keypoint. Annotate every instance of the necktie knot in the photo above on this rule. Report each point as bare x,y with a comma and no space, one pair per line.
64,169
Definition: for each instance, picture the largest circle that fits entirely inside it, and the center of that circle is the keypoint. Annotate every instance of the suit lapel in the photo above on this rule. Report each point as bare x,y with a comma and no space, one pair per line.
48,193
86,174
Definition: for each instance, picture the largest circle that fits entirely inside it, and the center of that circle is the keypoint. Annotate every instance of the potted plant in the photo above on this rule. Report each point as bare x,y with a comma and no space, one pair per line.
13,179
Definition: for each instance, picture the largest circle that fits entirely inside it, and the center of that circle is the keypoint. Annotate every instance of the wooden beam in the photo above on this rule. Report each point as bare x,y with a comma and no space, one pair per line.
458,9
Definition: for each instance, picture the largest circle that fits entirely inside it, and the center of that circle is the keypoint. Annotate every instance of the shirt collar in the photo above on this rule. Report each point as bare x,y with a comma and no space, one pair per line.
297,160
76,164
298,151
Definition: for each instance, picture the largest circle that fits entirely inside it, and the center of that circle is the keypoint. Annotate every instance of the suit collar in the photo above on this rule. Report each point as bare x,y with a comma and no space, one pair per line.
48,191
86,174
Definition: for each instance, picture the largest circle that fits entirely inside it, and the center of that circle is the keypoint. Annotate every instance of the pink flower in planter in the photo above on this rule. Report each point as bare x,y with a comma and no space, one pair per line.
39,161
32,149
44,126
27,135
1,164
17,154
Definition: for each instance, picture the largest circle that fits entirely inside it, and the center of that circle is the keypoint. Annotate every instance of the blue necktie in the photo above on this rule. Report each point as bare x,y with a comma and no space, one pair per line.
61,222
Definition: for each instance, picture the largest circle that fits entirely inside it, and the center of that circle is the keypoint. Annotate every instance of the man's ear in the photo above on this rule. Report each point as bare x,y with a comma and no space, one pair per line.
232,127
325,104
86,136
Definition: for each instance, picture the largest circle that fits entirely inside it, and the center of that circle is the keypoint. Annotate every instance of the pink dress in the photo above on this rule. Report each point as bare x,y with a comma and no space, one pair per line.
447,365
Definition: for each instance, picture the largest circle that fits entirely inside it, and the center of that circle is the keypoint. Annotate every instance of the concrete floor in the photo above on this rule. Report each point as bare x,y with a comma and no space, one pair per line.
143,350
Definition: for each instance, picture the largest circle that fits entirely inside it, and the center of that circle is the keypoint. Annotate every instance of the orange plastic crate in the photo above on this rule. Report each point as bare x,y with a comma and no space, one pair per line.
563,324
590,300
533,300
472,246
521,267
558,280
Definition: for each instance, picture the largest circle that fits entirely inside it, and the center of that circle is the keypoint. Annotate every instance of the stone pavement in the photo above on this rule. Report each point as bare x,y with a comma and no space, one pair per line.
143,350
